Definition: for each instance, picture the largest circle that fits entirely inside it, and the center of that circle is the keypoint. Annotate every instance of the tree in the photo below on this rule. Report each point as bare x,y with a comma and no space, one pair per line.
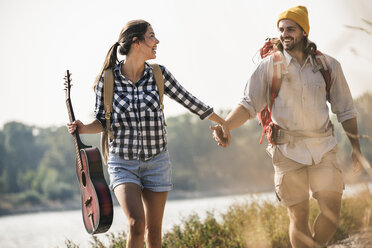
22,154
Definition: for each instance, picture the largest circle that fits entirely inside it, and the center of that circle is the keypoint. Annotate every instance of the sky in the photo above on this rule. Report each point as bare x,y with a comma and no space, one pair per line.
210,46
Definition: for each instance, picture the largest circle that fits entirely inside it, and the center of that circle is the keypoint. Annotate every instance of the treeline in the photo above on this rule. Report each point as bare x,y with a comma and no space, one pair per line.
37,165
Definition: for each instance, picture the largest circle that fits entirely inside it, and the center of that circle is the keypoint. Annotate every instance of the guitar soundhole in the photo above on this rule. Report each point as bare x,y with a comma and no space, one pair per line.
83,179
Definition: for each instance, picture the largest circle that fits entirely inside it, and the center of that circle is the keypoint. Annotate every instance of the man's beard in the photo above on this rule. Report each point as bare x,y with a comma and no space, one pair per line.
296,45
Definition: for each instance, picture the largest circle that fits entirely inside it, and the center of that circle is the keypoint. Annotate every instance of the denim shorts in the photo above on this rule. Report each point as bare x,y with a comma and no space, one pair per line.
154,174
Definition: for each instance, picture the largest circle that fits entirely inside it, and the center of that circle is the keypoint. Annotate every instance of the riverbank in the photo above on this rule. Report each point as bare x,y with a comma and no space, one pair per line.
10,205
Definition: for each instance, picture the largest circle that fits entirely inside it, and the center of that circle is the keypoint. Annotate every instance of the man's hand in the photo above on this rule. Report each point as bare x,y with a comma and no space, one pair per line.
358,160
221,135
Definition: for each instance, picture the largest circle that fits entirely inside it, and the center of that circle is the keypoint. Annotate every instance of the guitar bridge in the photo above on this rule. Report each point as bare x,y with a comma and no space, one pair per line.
88,201
90,215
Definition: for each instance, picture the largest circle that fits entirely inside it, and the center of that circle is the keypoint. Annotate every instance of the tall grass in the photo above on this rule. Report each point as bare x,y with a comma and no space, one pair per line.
256,225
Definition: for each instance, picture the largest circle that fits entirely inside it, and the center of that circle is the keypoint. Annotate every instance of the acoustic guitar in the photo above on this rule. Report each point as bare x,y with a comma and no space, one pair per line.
96,199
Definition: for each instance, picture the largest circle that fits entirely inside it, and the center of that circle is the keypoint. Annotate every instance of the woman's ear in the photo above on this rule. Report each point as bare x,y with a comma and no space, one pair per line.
135,41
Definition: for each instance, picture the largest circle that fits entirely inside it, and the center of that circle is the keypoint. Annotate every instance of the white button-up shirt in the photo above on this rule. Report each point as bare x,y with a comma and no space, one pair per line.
301,104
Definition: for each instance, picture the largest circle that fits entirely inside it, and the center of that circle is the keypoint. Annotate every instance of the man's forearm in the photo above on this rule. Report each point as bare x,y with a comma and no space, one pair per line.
237,117
351,128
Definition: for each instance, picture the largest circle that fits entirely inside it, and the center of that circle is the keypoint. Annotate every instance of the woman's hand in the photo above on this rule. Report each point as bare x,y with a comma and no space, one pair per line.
75,125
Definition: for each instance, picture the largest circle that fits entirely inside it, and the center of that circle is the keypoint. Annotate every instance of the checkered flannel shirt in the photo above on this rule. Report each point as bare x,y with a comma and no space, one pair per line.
137,121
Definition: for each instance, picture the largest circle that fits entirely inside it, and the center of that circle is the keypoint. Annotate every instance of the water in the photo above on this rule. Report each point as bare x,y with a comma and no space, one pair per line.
52,229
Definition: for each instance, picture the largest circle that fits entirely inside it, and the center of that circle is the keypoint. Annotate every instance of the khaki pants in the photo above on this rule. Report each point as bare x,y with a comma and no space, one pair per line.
293,180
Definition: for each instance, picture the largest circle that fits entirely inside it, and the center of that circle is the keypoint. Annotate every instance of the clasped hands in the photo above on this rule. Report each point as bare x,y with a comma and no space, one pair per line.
221,135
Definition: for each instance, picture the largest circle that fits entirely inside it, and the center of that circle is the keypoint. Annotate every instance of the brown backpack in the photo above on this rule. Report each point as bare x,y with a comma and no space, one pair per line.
108,89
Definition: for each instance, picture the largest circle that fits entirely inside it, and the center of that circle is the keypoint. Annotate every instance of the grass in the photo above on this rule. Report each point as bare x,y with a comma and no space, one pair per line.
251,225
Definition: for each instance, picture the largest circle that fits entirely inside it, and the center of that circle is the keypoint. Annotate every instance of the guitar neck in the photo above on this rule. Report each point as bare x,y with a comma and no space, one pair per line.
77,142
76,138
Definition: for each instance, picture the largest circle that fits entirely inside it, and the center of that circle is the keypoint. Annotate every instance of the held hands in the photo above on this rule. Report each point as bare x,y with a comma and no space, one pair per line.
221,135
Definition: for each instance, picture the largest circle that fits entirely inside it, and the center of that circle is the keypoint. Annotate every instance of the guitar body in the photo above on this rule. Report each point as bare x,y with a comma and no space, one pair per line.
97,208
96,199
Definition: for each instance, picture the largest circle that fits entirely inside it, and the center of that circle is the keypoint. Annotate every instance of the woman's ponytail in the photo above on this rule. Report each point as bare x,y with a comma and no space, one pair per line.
133,29
110,61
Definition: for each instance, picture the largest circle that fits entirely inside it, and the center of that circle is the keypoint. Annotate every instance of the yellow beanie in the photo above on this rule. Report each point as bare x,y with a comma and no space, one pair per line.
297,14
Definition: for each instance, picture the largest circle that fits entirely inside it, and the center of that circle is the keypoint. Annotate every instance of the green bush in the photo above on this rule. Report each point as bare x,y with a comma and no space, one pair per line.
59,191
29,197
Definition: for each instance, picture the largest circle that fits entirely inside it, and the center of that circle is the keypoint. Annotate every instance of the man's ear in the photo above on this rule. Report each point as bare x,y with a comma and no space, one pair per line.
304,33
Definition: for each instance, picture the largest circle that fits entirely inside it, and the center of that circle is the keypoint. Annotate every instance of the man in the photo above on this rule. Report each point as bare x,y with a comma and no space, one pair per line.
302,161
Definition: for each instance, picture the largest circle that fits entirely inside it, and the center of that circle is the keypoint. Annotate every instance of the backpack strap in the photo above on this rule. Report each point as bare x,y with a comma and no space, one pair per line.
108,94
278,70
159,79
323,68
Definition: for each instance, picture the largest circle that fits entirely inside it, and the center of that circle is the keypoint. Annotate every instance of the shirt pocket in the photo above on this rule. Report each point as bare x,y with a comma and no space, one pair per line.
122,103
317,93
150,101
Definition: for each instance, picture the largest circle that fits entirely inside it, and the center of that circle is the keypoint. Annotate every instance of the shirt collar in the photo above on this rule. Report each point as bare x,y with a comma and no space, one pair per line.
288,58
118,66
147,69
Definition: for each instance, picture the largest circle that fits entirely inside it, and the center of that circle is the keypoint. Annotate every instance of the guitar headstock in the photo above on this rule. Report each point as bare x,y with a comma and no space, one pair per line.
68,84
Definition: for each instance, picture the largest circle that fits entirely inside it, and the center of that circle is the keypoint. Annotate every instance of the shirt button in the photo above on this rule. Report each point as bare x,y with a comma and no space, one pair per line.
139,133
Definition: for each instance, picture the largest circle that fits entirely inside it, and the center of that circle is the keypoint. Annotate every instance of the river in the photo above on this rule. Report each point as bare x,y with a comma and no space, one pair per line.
52,229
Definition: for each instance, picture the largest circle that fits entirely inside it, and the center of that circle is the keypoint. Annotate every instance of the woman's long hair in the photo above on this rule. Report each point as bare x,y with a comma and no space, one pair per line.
133,29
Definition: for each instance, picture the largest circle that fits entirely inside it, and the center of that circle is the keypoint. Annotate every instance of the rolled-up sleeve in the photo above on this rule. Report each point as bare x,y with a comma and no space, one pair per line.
340,96
255,92
99,111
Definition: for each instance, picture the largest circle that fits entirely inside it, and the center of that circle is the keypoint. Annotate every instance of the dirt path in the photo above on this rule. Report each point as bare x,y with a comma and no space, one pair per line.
361,239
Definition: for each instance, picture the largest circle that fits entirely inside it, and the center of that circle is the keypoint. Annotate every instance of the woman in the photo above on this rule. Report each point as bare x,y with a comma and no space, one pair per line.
138,164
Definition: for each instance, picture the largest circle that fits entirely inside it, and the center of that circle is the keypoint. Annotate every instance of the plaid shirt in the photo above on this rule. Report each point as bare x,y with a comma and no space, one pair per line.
137,121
